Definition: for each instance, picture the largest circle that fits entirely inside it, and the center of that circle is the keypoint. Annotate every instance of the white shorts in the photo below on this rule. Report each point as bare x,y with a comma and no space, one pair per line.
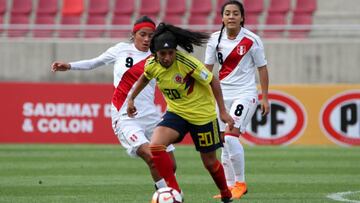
241,110
132,133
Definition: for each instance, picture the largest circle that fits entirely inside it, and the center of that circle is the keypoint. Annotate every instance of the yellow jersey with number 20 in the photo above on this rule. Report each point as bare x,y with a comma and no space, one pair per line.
186,87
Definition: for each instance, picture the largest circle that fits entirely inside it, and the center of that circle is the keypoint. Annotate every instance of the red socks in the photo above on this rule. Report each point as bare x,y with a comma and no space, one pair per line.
164,165
218,175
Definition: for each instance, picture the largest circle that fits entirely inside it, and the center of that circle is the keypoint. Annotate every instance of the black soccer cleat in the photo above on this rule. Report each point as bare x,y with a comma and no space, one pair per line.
226,199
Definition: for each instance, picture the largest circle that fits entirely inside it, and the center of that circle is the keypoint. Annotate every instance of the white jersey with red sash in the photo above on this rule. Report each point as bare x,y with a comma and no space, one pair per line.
239,59
128,66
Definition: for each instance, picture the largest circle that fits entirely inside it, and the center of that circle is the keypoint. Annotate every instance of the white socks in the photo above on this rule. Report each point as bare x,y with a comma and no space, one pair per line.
234,155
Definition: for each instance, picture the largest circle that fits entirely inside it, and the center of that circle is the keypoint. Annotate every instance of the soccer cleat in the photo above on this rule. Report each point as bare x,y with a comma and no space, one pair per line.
239,190
219,195
226,200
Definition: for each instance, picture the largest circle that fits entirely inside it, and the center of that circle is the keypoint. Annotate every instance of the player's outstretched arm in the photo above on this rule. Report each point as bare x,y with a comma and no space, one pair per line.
60,66
140,85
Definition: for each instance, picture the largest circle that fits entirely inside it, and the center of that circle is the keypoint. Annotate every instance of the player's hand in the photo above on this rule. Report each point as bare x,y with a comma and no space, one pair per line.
131,109
226,118
60,66
265,109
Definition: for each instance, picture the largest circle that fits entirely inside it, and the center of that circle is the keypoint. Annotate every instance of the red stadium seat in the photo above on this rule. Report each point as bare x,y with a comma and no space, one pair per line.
201,7
279,6
254,6
275,19
174,12
305,6
173,19
2,7
70,20
252,22
49,7
124,7
73,7
120,20
151,8
2,12
200,12
304,19
98,7
43,20
219,4
96,20
19,20
21,7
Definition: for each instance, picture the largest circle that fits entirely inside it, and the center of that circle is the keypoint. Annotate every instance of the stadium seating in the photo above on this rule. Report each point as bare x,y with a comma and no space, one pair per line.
304,19
279,6
19,20
95,20
275,19
73,7
124,7
19,16
2,12
200,12
70,20
97,13
119,20
43,20
252,22
71,16
253,6
45,15
305,6
150,8
174,11
219,4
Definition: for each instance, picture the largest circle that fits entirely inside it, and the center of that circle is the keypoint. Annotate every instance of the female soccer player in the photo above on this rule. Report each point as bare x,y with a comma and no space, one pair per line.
190,91
239,52
129,59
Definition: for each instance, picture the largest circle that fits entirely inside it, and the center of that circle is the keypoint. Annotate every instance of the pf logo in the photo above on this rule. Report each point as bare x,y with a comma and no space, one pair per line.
283,125
340,118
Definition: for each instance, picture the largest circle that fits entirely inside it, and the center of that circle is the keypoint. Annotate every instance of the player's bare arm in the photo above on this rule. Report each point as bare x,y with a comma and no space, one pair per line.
140,85
264,83
224,116
209,67
60,66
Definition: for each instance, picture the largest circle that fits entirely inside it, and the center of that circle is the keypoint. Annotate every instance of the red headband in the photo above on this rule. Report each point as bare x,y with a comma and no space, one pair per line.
143,24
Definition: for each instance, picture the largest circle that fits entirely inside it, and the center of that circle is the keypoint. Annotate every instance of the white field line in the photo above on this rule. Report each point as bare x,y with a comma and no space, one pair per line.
339,196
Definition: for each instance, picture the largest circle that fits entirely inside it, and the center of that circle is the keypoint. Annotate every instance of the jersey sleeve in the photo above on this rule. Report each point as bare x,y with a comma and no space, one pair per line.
210,53
108,57
149,68
259,54
201,73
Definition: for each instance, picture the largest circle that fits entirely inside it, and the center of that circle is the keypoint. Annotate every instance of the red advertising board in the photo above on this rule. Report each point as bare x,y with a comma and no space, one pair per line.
58,113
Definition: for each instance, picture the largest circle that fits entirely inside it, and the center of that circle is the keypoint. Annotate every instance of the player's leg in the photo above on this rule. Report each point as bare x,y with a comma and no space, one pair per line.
228,170
207,140
168,131
241,110
131,134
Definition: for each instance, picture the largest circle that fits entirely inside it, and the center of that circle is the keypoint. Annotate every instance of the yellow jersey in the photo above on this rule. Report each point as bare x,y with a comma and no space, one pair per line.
186,87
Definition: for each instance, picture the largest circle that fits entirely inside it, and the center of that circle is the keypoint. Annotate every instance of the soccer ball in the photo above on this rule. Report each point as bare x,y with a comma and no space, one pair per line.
166,195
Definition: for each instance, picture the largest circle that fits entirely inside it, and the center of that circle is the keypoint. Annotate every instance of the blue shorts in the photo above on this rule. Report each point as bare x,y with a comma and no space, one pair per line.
205,137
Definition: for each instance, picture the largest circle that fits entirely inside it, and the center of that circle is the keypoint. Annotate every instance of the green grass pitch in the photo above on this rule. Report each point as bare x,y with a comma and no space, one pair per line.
104,173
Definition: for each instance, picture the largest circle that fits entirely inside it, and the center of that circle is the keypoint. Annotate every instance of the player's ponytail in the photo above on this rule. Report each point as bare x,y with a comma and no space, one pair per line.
173,35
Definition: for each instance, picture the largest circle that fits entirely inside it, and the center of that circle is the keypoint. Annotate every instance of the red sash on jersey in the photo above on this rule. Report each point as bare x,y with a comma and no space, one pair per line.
235,57
127,82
